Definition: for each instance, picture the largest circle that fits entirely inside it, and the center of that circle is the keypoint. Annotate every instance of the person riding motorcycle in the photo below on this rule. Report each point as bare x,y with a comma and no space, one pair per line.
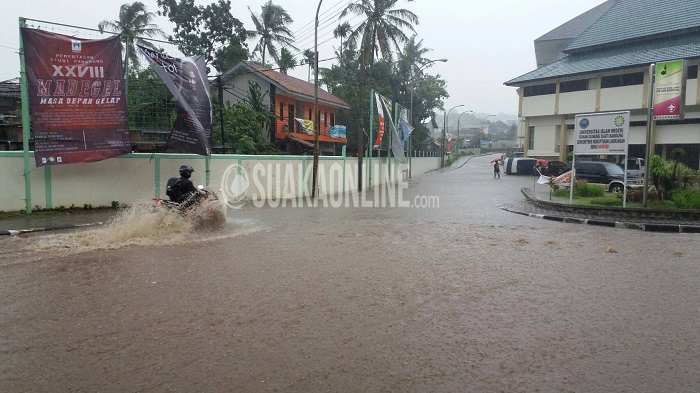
181,190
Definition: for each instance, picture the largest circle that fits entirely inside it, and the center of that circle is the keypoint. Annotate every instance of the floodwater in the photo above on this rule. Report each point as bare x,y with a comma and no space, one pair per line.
464,297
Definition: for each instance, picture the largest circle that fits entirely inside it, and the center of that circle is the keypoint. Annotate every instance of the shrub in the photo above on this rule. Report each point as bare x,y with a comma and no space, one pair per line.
585,190
607,201
636,195
560,192
686,199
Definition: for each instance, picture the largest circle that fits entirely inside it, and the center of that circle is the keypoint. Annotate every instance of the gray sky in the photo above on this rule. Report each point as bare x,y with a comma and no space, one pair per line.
486,43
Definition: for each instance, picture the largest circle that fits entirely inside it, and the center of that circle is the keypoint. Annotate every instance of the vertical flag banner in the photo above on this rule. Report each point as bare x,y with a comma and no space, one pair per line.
186,78
77,102
668,90
396,147
380,111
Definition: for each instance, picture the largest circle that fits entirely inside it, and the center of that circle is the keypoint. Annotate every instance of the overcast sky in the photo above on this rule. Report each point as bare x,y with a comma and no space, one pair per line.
486,42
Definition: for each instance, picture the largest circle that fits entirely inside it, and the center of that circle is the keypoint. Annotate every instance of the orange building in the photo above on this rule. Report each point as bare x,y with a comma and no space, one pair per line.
290,99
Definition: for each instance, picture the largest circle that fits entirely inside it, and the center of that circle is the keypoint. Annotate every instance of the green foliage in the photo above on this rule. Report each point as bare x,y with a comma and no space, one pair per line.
286,61
660,171
115,205
607,201
242,125
585,190
134,21
686,199
212,28
271,27
561,192
151,106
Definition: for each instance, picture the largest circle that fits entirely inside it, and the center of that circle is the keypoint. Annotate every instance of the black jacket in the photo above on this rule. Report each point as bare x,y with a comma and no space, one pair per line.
179,189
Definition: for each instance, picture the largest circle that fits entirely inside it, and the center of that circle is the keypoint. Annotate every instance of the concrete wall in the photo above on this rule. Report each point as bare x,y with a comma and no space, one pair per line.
140,177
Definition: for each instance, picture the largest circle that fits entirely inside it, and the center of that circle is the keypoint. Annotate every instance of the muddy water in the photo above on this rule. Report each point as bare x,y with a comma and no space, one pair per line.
461,298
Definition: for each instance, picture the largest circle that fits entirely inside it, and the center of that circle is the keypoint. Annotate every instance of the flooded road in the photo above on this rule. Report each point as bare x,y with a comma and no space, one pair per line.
464,297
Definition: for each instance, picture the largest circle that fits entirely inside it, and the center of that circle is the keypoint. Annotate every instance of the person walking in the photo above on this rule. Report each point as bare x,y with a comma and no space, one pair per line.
496,170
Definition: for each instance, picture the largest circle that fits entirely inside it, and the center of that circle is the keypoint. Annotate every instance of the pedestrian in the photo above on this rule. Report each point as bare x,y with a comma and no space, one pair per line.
496,170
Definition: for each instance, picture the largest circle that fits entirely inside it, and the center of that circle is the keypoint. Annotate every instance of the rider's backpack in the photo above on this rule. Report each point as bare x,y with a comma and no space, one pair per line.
172,189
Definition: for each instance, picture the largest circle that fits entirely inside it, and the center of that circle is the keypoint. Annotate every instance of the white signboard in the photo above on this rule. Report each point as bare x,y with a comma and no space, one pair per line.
601,133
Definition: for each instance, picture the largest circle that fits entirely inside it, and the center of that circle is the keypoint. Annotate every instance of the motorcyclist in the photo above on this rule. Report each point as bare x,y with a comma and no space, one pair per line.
181,189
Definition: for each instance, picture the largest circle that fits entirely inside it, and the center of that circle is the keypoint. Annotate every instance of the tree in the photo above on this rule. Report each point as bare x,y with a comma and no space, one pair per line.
211,28
133,23
271,27
286,61
379,32
309,59
342,31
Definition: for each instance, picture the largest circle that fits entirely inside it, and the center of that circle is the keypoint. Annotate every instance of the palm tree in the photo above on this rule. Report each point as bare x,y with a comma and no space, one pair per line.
286,61
342,31
379,32
309,59
134,22
272,28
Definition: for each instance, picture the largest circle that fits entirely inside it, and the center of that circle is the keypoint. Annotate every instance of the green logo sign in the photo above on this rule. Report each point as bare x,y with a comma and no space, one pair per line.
620,121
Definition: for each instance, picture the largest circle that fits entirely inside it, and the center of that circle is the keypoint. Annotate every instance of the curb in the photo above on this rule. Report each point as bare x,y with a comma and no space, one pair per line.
646,227
15,232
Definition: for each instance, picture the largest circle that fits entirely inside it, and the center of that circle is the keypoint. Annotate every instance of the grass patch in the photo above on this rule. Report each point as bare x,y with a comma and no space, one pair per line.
606,201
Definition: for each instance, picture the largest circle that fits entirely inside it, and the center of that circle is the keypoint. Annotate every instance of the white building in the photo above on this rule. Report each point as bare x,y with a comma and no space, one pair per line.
602,64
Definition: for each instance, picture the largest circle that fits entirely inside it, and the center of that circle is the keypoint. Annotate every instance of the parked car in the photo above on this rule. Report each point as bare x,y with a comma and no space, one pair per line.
555,168
608,174
635,166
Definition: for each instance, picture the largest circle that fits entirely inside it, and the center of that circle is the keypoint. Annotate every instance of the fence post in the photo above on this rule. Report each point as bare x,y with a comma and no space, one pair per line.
25,119
157,177
344,152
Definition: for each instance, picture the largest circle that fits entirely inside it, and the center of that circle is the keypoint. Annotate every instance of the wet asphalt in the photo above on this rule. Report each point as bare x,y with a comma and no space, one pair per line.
457,298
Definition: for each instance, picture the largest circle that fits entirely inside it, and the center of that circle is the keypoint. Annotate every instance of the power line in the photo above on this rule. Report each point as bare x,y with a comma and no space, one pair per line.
311,28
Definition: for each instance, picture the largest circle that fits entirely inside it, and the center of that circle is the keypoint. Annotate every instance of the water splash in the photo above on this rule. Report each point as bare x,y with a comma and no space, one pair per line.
142,224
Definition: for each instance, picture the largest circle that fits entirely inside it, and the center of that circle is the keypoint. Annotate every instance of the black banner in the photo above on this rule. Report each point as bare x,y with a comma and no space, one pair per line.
186,78
76,98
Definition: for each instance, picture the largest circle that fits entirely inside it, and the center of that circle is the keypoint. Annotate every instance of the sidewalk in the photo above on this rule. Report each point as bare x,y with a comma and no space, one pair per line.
602,217
16,223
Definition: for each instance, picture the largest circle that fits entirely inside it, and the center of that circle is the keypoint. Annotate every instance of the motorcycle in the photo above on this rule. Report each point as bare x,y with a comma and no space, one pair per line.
201,197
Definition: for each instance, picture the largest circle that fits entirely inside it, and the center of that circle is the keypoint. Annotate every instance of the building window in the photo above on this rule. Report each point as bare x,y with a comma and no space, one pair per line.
540,90
531,141
569,86
311,116
636,78
557,135
325,119
693,72
281,110
332,119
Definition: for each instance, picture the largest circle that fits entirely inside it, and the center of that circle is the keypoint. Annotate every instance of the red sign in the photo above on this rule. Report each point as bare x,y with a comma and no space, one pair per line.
76,98
449,147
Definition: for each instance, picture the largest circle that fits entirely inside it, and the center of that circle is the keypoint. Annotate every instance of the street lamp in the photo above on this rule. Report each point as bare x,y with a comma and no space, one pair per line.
413,86
458,126
482,127
484,120
444,136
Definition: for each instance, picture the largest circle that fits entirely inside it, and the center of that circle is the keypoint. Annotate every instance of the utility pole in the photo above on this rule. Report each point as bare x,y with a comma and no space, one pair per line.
650,125
221,113
317,119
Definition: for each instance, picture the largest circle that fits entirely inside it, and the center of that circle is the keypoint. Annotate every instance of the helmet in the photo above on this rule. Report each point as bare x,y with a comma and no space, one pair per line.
186,171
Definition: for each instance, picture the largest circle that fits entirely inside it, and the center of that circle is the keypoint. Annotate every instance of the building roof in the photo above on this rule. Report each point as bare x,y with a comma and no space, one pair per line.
639,54
10,89
629,20
579,24
288,84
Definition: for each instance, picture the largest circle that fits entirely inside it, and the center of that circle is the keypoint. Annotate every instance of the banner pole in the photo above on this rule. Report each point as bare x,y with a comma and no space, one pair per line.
573,174
25,120
370,147
624,192
126,68
650,120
